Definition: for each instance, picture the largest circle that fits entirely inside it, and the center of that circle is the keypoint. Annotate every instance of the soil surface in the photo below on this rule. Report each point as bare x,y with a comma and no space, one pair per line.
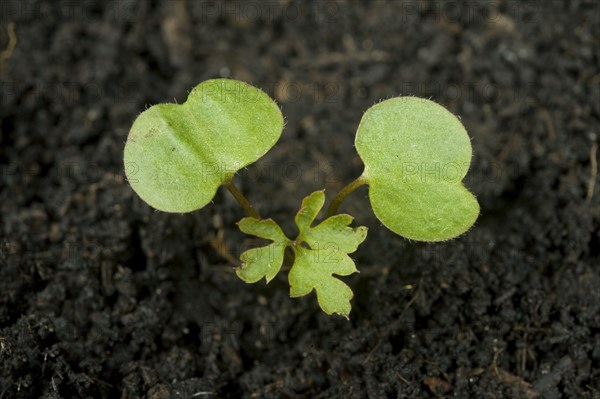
103,297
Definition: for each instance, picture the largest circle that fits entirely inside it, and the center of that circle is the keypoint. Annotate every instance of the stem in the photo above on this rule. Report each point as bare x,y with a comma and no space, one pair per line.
239,197
337,200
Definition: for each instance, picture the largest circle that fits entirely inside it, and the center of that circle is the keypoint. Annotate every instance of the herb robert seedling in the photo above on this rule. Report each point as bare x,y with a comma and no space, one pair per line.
416,154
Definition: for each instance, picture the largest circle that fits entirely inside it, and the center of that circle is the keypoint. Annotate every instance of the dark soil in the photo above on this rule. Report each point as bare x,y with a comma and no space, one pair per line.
103,297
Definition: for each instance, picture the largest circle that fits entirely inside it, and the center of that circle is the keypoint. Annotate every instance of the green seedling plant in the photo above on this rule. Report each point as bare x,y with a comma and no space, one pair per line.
415,152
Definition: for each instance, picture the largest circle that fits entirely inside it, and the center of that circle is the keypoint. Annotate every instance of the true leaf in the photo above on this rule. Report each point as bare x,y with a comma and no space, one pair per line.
263,261
329,244
416,154
177,156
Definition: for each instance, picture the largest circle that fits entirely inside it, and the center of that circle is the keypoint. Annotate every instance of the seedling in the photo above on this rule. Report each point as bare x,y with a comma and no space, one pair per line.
416,154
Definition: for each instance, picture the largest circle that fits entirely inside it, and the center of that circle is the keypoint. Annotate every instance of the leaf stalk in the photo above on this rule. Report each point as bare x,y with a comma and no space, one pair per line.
337,200
243,201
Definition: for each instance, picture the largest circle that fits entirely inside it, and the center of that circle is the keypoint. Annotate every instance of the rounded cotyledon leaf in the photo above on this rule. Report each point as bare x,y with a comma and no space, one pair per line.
416,154
177,156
